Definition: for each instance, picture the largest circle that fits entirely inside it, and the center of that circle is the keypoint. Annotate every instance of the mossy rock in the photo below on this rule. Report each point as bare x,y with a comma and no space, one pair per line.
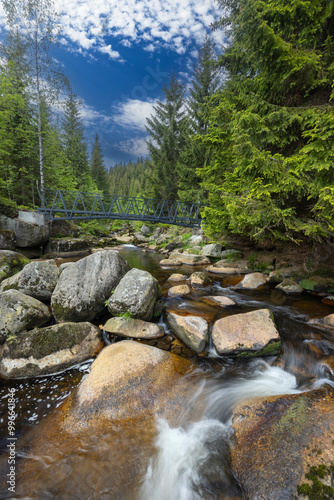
318,284
11,263
8,208
271,349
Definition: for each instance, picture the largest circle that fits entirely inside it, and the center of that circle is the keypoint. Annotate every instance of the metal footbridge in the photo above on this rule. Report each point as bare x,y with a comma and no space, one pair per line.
73,205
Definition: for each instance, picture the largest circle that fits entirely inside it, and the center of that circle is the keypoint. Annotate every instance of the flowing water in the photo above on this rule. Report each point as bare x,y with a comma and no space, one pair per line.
190,461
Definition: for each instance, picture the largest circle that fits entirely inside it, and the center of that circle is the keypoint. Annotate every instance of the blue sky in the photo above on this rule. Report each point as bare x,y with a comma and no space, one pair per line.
118,55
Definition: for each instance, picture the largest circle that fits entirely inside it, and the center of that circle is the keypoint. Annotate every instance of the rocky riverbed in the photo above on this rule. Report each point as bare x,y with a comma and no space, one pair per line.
197,348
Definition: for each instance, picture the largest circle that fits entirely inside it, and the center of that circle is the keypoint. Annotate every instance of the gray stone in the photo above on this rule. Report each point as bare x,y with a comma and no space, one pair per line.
170,262
226,267
195,240
252,281
158,231
134,328
136,294
11,263
44,351
19,312
65,265
27,234
140,238
83,287
161,239
192,330
145,230
212,250
289,287
7,240
37,279
70,246
240,333
199,279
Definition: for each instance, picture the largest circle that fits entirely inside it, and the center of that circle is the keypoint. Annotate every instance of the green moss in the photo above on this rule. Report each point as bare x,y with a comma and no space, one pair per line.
294,419
271,349
317,490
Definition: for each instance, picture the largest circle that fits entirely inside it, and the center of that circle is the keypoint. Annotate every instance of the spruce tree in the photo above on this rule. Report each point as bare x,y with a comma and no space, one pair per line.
97,168
168,129
195,154
74,144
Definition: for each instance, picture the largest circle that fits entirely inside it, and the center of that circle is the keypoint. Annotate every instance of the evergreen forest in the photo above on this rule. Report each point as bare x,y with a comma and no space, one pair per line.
252,137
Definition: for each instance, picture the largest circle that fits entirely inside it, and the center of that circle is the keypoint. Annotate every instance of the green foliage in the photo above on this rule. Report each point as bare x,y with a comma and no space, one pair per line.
271,128
316,489
98,171
131,179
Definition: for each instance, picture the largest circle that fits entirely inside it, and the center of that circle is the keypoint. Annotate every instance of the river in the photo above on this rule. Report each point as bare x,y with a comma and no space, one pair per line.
191,461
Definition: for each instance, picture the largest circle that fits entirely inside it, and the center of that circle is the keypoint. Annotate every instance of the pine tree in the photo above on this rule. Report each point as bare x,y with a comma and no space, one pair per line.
74,144
195,154
168,129
97,168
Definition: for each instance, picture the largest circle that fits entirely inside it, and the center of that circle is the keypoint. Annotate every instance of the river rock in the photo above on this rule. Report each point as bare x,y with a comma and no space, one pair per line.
140,238
37,279
226,267
192,330
190,259
199,279
231,253
212,250
177,277
145,230
252,281
179,290
44,351
289,287
7,240
19,312
26,233
136,294
195,240
329,300
326,322
170,262
83,287
282,437
11,263
241,333
134,328
70,246
219,300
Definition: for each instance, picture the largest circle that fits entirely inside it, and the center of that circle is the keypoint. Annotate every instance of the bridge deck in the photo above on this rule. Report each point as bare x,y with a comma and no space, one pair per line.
74,205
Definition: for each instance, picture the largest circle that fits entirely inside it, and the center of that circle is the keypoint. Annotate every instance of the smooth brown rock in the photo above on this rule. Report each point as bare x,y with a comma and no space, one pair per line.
192,330
199,279
179,290
252,281
134,328
277,439
326,322
219,300
177,277
244,332
329,300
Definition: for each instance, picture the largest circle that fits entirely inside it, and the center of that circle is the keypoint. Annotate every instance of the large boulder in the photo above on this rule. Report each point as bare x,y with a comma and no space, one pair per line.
136,294
27,234
134,328
190,259
212,250
283,437
70,246
11,263
37,279
43,351
192,330
7,240
19,312
83,287
244,333
129,384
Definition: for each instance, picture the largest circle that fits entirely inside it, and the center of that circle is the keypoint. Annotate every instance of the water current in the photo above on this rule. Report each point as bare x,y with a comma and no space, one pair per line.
190,461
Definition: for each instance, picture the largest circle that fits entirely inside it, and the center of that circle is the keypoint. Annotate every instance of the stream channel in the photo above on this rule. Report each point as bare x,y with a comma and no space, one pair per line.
189,461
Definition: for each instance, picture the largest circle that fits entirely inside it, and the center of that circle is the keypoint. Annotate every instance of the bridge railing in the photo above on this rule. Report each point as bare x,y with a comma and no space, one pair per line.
74,205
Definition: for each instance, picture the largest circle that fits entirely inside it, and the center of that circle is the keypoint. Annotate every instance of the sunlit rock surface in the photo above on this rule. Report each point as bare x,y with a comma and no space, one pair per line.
192,330
239,333
134,328
252,281
279,438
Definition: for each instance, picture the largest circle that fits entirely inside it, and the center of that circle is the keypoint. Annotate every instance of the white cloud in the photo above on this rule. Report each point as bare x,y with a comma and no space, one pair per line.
132,113
135,147
155,23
